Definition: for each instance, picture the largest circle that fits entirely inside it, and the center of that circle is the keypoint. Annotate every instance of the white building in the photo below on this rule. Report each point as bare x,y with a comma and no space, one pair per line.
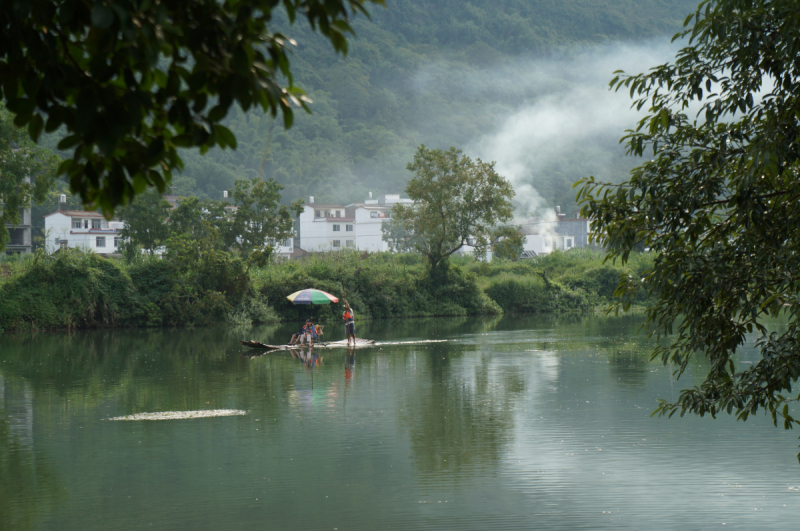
81,229
331,227
325,227
284,249
544,237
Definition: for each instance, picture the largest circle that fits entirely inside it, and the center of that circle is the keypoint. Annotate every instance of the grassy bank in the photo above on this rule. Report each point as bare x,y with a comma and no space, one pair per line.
74,289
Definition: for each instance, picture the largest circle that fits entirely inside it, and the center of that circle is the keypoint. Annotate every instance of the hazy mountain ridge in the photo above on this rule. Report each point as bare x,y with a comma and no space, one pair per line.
441,73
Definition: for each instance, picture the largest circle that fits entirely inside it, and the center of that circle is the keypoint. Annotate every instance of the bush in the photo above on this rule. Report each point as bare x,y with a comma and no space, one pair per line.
75,289
379,285
71,289
531,294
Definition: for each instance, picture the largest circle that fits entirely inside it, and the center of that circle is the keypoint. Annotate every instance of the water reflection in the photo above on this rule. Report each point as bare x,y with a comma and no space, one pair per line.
461,417
629,367
308,356
28,487
518,423
349,366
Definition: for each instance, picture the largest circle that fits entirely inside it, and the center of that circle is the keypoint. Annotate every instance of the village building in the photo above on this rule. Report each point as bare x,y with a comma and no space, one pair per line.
562,233
333,227
20,240
79,229
284,249
20,234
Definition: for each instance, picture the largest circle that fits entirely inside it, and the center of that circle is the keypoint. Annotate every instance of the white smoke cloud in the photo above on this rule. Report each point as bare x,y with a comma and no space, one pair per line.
559,108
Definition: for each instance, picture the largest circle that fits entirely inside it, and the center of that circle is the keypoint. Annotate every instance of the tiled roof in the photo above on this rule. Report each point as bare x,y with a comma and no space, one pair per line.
76,213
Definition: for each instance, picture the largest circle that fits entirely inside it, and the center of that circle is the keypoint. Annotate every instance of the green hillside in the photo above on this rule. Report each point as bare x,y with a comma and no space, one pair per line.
439,72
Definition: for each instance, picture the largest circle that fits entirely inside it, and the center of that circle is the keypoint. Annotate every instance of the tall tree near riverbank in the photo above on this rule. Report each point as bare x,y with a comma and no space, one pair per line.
718,204
260,224
456,201
132,82
146,221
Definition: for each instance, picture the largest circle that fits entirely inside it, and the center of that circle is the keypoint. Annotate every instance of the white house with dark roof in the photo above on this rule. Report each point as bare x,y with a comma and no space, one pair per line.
81,229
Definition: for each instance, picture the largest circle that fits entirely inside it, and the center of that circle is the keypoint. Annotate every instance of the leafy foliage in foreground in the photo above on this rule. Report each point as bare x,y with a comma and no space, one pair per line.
718,203
132,82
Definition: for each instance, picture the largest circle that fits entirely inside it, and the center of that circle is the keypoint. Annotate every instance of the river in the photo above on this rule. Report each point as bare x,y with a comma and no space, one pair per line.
503,423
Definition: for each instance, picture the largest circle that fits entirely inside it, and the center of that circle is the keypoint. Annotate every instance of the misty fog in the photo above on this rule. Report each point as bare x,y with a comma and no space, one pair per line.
556,119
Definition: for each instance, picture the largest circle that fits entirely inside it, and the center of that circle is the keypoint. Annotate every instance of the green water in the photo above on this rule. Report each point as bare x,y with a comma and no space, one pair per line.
514,423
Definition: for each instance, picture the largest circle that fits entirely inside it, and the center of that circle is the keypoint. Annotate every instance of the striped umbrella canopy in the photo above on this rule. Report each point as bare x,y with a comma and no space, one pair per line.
312,296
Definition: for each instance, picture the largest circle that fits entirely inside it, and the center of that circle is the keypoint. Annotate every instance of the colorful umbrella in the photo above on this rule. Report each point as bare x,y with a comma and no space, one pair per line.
311,296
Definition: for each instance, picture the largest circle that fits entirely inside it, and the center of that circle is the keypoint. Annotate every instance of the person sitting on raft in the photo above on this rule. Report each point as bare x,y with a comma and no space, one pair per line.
312,333
306,330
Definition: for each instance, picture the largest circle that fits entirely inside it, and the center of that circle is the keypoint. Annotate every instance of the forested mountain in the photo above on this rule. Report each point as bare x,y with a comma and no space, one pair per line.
446,72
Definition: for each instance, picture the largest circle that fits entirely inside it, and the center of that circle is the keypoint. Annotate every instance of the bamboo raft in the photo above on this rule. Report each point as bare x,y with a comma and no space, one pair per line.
360,343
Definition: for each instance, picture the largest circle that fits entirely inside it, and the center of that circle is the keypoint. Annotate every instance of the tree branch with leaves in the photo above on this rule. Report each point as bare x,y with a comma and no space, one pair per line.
717,203
132,82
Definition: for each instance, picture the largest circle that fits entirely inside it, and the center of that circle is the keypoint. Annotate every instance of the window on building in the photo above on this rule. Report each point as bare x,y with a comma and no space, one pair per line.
337,243
76,223
17,236
287,242
349,228
85,223
101,241
338,213
63,244
337,228
546,242
569,243
117,242
318,214
350,244
95,223
22,216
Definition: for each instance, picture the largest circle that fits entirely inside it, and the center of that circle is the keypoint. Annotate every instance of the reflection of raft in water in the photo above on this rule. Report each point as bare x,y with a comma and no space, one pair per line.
360,343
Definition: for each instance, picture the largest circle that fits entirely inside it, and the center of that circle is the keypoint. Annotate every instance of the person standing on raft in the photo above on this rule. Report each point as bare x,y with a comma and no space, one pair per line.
349,323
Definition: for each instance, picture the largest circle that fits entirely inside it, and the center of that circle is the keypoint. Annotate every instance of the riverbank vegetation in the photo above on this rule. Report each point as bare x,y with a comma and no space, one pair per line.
75,289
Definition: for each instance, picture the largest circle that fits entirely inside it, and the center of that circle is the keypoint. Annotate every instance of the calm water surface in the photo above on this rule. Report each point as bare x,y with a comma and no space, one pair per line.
514,423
